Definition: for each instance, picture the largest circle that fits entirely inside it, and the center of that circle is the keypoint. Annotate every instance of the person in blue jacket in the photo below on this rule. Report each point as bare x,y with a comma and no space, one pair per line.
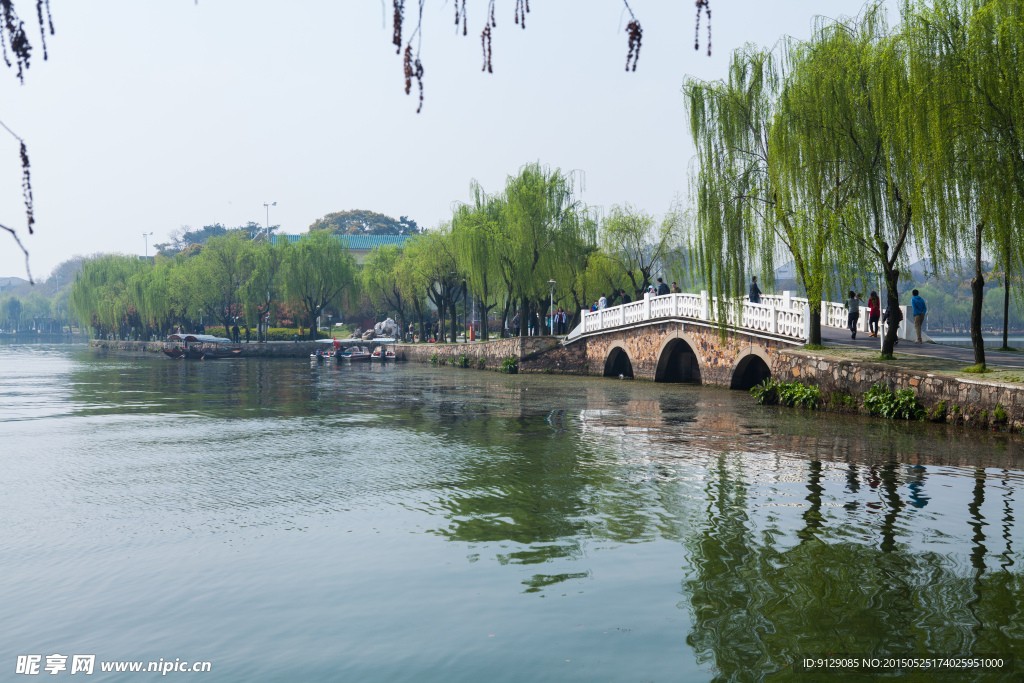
919,311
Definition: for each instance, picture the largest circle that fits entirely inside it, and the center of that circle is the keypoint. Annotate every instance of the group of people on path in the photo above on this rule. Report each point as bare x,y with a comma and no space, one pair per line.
875,314
890,317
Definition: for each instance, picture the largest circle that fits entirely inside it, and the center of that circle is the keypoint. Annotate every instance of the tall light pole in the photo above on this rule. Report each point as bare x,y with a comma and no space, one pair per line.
551,308
267,206
266,327
145,238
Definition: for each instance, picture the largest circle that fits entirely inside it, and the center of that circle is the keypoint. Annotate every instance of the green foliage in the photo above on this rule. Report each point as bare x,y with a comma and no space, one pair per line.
362,222
940,413
510,365
434,360
462,361
842,401
637,244
793,394
481,363
999,415
317,272
383,280
976,369
896,405
766,393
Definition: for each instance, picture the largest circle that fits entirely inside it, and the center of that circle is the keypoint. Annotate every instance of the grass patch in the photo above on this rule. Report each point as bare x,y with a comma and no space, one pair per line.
976,369
815,347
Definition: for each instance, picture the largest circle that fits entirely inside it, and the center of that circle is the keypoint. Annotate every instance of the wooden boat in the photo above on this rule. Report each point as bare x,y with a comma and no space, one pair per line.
200,347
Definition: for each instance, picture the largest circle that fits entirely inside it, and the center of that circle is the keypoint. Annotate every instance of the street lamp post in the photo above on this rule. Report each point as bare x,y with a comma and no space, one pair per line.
145,238
267,207
551,307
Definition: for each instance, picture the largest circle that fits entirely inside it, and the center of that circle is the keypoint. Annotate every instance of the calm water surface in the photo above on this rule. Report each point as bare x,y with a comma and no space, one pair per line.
295,522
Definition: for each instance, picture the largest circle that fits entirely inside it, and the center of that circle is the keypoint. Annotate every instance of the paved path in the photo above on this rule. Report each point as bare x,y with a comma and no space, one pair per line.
833,336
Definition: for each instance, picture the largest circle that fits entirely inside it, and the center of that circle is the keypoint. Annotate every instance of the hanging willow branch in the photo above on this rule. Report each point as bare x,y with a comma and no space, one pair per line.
413,67
706,6
13,36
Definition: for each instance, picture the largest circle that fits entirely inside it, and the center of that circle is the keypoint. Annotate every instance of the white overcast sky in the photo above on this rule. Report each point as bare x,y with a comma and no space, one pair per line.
153,115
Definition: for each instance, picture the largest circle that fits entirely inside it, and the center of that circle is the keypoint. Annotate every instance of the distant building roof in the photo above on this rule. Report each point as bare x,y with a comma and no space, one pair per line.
6,282
355,242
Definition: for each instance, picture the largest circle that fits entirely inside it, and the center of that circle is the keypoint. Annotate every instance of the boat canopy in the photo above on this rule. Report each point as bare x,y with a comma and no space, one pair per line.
200,338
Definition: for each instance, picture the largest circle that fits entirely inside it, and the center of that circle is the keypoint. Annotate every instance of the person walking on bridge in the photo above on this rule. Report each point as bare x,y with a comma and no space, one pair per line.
874,311
919,312
625,297
662,288
755,291
853,313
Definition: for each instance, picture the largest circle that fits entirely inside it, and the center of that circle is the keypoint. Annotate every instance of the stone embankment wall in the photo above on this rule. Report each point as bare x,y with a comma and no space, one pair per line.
265,350
975,398
535,354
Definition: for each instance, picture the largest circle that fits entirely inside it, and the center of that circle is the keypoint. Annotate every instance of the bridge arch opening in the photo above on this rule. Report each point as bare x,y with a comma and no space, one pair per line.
750,372
618,364
678,363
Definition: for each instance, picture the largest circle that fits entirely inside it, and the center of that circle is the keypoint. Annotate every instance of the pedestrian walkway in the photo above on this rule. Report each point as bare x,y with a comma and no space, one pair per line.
834,336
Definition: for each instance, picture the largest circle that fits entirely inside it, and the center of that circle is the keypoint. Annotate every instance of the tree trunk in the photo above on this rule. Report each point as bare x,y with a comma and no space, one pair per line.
523,322
892,296
978,290
814,336
453,322
1006,306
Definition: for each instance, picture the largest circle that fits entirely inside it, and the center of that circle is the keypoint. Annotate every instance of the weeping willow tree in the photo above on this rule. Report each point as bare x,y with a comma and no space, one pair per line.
102,297
317,271
965,57
476,231
382,284
542,210
262,284
730,122
637,243
858,72
756,193
432,260
154,293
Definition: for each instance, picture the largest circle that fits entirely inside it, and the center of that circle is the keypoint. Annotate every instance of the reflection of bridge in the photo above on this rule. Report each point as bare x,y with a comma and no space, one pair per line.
696,338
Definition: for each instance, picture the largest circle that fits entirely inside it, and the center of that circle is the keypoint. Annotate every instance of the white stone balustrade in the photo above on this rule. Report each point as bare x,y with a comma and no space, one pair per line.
782,315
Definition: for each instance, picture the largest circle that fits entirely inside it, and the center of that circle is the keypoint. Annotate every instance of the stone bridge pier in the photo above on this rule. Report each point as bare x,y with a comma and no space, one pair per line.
682,351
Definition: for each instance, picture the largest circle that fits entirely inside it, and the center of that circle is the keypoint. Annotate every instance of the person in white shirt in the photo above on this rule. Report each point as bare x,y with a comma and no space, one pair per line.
602,303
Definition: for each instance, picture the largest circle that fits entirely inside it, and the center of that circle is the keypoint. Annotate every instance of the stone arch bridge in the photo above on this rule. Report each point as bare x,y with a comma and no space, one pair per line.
691,338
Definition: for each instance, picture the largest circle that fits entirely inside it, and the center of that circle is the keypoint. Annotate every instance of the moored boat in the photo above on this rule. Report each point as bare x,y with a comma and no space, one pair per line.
200,347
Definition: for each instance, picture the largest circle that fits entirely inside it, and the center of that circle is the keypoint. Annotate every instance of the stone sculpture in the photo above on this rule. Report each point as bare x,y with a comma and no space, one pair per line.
387,328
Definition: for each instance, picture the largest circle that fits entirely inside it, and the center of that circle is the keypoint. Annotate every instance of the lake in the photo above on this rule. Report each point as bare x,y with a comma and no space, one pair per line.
289,521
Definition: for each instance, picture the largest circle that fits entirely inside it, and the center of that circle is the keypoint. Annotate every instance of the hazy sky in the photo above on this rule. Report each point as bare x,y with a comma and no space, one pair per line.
153,115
